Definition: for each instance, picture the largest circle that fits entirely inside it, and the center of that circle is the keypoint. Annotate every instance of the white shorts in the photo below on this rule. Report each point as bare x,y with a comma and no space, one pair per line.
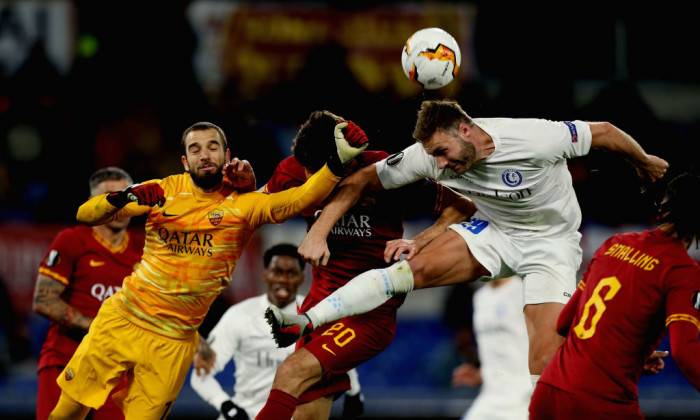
547,265
501,406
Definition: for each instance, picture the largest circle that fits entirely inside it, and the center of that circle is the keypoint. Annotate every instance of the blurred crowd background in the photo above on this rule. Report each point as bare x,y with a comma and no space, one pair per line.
87,84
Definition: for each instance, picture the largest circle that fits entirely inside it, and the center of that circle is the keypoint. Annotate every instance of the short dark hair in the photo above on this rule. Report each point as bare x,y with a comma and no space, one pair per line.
110,173
313,143
679,207
199,126
439,115
282,249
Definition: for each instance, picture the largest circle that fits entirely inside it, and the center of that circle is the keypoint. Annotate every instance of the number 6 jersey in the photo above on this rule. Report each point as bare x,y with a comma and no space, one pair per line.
634,287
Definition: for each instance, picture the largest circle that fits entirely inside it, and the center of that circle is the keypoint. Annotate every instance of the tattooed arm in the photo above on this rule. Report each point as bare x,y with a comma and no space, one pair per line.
48,302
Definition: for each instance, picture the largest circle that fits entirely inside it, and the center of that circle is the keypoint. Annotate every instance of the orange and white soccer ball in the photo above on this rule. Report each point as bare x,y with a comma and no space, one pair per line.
431,58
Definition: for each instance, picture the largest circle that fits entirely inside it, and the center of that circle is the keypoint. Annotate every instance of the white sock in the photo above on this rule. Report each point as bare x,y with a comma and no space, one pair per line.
363,293
534,379
354,383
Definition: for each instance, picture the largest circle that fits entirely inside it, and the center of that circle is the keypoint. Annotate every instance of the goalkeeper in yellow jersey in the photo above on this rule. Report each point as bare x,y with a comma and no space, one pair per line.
198,224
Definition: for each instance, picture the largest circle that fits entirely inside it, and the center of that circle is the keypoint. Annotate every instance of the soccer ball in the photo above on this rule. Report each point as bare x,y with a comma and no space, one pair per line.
431,58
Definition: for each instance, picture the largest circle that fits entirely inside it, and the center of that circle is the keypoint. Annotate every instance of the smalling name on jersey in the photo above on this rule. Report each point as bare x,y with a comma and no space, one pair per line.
633,256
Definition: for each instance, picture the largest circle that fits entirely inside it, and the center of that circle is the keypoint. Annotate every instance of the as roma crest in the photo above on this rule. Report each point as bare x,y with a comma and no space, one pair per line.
215,217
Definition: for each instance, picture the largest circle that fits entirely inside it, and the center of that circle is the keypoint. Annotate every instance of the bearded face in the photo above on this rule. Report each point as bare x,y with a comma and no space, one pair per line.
205,158
464,158
451,151
206,178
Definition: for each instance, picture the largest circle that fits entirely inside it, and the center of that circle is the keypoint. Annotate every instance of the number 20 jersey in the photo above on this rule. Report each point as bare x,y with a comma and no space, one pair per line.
634,287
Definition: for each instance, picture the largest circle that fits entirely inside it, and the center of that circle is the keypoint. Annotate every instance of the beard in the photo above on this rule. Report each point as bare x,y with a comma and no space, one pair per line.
467,155
207,181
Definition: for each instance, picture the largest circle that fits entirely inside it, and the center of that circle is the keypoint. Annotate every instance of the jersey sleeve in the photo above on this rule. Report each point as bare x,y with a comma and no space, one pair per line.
225,338
98,211
59,261
683,298
208,388
565,139
407,166
279,207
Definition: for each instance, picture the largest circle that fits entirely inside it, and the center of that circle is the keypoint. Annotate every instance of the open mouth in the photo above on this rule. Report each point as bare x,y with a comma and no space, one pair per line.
282,293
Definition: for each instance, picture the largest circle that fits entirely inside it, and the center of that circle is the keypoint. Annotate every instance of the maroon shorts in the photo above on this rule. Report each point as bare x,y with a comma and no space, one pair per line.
346,344
550,403
49,392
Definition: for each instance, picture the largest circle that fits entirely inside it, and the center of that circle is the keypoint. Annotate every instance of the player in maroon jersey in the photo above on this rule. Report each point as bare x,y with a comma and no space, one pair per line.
83,267
314,375
637,287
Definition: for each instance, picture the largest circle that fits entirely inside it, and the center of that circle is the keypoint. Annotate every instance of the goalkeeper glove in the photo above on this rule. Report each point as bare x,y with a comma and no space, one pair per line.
231,411
150,194
350,141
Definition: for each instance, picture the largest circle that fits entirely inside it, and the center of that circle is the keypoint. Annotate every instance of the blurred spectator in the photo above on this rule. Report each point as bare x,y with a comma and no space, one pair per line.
502,342
459,315
14,340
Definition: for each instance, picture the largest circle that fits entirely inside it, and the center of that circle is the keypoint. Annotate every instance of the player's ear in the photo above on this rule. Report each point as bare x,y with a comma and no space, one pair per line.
185,164
228,155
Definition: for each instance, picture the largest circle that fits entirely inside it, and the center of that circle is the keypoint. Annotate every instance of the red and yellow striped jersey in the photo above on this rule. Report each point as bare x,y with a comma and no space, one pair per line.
193,243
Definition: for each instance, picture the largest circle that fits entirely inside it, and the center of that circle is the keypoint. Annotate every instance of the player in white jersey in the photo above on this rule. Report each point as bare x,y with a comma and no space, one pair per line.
526,222
501,338
243,335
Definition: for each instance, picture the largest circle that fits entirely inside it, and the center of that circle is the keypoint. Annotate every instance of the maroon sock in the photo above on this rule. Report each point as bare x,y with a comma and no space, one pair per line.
279,406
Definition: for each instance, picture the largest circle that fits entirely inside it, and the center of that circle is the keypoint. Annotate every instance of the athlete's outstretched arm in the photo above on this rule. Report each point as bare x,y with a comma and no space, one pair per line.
608,137
283,205
313,247
135,200
684,349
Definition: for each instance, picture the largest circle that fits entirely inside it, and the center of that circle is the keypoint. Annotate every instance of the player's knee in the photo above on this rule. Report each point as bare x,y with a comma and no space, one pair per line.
417,267
540,355
301,367
537,363
424,271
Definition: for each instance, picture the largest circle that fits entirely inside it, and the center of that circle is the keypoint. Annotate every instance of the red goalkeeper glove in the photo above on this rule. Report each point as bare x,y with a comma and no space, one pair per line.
150,194
350,141
355,136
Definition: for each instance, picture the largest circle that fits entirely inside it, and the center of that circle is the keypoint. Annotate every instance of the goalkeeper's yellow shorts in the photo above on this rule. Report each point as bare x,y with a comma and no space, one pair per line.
156,366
